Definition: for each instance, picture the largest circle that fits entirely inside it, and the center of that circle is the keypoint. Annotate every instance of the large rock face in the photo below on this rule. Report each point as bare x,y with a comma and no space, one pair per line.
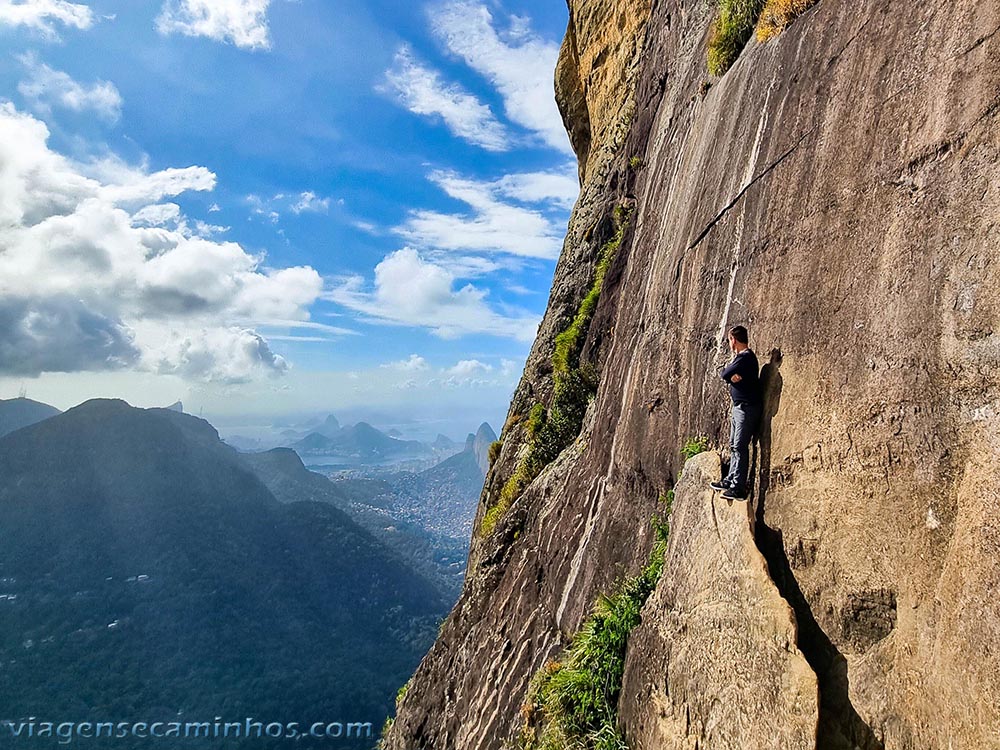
838,191
715,662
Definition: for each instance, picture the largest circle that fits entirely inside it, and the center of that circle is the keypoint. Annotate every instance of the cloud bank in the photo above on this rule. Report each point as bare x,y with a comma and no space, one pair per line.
42,16
96,273
412,291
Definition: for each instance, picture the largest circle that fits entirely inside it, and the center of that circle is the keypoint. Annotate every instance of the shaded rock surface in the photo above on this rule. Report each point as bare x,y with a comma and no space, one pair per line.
838,191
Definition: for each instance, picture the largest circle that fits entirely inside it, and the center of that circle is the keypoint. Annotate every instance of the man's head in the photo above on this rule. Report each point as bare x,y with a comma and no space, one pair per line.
738,338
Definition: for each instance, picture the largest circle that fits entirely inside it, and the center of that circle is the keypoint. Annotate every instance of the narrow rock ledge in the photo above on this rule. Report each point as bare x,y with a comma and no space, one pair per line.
714,663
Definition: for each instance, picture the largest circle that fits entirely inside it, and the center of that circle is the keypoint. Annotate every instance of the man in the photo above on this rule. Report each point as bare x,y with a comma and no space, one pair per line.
743,376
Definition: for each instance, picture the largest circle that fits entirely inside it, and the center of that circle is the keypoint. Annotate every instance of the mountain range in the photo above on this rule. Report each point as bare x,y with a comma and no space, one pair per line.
360,441
444,497
16,413
425,516
146,571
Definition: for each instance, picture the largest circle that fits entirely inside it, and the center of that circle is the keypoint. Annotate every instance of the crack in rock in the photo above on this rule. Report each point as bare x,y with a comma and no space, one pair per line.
770,168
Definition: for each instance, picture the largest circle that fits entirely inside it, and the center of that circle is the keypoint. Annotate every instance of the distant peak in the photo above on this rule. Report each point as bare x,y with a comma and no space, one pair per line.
102,404
486,432
480,445
25,401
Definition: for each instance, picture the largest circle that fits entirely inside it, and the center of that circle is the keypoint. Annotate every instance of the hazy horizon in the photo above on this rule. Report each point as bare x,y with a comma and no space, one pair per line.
455,424
276,207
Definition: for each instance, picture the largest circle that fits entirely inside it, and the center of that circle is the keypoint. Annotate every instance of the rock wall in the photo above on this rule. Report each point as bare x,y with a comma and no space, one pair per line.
837,191
715,660
595,76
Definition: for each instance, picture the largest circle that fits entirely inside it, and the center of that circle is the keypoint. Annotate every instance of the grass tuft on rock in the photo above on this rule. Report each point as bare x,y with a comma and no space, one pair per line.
693,446
730,32
572,702
778,16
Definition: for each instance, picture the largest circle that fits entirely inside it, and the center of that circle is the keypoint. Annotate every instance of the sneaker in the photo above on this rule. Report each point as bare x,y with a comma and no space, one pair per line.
722,484
735,493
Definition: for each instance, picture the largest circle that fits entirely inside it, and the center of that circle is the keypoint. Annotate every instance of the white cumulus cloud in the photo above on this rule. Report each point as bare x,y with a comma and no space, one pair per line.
494,225
96,273
466,373
43,15
412,291
239,22
413,362
158,215
228,355
468,367
421,90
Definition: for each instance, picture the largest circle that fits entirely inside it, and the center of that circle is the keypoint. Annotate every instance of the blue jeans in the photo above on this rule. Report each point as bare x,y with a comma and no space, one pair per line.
746,418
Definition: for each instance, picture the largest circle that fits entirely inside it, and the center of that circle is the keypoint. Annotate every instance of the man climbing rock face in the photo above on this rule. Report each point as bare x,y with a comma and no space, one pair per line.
743,376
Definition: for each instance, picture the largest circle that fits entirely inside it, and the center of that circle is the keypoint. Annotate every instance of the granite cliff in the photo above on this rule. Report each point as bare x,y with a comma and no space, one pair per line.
837,190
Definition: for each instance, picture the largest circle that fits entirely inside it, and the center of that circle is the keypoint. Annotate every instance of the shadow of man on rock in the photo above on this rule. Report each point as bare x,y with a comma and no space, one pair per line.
771,385
839,727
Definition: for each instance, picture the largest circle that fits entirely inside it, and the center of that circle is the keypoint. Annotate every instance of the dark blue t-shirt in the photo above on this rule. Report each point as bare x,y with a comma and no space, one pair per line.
748,389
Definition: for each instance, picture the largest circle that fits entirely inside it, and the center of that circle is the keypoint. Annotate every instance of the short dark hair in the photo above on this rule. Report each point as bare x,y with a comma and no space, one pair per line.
740,334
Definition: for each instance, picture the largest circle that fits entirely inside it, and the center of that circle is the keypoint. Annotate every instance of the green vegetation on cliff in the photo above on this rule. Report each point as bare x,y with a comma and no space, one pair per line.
778,16
730,32
550,430
400,694
737,21
572,702
495,447
693,446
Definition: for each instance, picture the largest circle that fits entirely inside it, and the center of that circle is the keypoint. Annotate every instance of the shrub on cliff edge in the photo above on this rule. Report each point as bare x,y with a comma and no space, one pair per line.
495,447
730,32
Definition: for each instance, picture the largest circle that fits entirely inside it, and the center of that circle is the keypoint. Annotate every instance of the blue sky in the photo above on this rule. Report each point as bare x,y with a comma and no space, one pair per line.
271,207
